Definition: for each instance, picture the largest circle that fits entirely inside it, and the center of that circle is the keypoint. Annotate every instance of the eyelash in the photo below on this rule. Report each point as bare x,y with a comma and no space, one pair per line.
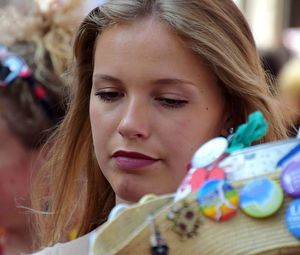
171,103
109,96
112,96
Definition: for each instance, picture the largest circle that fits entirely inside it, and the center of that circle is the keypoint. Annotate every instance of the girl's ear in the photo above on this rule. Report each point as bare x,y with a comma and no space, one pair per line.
228,127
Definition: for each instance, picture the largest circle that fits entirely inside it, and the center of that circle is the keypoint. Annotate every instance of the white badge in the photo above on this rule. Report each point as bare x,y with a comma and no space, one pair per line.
209,152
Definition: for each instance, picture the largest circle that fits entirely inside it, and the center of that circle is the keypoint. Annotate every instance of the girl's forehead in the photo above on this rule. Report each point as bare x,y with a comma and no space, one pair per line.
146,39
139,28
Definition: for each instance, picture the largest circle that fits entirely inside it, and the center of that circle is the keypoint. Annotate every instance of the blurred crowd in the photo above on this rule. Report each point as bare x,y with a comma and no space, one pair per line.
282,65
35,53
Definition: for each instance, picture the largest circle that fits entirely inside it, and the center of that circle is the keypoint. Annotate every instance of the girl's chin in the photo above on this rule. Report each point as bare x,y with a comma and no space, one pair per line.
128,195
127,199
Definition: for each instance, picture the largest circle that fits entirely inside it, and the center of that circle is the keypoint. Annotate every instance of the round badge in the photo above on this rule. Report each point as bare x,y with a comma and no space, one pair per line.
209,152
218,200
261,197
191,182
292,218
216,173
290,178
195,178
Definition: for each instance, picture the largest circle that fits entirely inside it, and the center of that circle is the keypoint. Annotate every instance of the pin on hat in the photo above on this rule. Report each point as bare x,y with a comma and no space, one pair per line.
290,178
218,200
186,219
157,242
204,166
292,218
209,152
261,197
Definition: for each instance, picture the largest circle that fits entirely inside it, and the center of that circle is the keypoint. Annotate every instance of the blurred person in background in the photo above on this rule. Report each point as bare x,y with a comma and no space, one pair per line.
23,6
272,62
289,91
91,4
35,51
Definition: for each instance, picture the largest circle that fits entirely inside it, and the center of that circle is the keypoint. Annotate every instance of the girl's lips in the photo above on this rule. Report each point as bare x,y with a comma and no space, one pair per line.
128,163
132,160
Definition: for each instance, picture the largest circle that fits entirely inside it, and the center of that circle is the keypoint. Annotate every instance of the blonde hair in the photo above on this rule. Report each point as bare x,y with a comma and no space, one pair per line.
77,192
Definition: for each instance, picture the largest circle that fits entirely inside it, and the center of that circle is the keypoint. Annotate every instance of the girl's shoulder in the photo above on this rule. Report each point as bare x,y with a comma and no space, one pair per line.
77,246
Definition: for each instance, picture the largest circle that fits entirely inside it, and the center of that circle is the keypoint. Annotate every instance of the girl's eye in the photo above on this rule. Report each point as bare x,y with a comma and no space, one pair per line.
109,96
171,103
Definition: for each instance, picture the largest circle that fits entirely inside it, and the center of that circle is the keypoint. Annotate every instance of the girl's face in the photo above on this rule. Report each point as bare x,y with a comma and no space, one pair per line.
153,103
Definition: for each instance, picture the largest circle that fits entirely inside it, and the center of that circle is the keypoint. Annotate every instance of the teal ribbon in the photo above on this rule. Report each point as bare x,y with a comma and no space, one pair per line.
255,128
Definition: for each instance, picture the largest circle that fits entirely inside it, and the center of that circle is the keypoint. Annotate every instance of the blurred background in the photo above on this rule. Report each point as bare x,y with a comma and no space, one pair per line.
275,25
26,5
276,29
273,21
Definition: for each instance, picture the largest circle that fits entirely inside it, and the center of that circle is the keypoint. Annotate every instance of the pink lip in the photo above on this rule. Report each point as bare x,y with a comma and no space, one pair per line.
132,160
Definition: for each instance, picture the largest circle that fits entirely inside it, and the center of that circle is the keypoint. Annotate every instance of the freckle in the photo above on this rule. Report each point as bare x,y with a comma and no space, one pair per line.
206,108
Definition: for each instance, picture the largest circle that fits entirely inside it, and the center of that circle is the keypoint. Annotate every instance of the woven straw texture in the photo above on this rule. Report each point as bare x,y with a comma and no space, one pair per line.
129,233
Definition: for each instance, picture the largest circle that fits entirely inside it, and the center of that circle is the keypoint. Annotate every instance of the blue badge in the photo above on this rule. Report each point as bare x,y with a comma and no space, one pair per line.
261,197
292,218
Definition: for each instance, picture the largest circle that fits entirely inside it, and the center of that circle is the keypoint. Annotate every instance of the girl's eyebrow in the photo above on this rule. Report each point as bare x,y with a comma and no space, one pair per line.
106,78
172,81
164,81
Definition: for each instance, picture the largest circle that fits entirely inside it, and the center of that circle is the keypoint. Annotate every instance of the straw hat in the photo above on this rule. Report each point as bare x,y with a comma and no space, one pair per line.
129,232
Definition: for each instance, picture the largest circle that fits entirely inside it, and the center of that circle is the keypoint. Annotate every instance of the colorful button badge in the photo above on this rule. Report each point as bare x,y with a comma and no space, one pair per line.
292,218
261,197
186,186
290,178
218,200
195,178
209,152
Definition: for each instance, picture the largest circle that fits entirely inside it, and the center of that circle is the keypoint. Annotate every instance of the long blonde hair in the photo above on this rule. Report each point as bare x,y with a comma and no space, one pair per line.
76,191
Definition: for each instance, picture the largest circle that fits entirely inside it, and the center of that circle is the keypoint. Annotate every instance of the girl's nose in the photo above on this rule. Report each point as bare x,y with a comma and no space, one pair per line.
135,121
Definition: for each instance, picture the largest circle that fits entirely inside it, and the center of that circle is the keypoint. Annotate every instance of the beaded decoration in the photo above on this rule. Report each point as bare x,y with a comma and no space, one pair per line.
186,219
